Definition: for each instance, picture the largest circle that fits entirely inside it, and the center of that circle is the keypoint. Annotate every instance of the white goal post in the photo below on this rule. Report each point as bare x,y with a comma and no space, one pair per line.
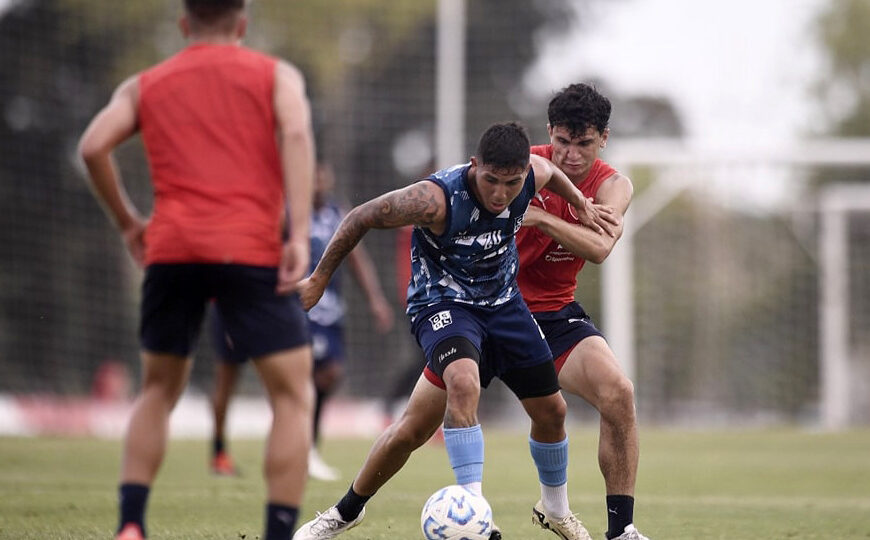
836,203
833,205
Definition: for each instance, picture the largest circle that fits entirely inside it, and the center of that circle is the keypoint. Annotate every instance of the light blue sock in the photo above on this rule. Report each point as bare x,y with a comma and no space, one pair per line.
465,451
551,459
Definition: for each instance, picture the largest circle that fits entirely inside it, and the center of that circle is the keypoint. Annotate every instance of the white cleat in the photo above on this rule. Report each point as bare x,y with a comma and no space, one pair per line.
318,469
327,525
630,533
567,528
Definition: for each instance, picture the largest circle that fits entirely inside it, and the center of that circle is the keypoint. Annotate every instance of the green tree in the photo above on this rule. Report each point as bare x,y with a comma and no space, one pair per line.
844,86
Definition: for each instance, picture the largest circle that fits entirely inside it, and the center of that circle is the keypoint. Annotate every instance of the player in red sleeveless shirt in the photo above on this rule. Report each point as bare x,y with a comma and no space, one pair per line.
227,134
553,248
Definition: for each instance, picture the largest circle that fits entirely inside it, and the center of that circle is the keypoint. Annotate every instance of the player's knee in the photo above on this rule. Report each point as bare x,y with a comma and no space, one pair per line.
617,399
549,413
462,385
326,380
557,410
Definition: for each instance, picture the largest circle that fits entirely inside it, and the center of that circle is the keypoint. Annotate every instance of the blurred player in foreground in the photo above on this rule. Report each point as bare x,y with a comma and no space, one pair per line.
209,117
326,320
467,314
553,248
578,119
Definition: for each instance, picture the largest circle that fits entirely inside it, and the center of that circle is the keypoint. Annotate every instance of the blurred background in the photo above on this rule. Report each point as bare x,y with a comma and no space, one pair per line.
740,294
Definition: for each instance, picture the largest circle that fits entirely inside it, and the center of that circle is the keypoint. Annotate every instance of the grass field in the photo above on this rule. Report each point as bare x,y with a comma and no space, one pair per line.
784,484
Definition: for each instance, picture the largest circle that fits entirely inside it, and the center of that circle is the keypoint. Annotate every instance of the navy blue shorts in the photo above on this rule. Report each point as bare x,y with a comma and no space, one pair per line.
258,321
564,329
327,343
506,336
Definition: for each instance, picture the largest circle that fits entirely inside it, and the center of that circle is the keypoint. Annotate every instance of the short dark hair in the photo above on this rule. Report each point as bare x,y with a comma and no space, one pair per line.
504,146
579,107
209,12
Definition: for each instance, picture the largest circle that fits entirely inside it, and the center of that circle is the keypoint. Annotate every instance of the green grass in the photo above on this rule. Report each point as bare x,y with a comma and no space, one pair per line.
783,484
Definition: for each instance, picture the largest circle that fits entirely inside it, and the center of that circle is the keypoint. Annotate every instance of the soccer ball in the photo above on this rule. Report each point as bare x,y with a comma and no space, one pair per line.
454,513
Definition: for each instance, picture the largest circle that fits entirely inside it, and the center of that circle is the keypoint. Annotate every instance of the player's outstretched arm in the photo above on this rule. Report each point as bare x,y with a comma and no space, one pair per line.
599,218
420,204
296,147
114,124
593,246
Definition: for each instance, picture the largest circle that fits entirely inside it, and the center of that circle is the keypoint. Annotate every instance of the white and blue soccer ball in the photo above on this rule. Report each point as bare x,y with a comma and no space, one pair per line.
454,513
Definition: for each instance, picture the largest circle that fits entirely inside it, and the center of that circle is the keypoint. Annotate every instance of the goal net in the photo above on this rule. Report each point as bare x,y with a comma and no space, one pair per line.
741,292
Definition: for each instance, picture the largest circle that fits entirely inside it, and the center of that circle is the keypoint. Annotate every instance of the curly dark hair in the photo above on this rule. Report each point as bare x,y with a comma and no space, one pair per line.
579,107
209,12
504,146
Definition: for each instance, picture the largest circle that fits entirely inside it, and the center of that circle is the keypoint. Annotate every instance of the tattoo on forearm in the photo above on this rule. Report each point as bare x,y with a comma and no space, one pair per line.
414,205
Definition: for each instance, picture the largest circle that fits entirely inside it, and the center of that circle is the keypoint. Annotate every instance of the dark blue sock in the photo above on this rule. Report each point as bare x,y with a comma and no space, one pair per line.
132,499
620,513
351,504
280,521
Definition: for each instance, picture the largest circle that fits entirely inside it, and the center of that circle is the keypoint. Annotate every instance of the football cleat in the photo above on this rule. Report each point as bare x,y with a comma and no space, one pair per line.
327,525
496,533
630,533
131,531
222,465
567,528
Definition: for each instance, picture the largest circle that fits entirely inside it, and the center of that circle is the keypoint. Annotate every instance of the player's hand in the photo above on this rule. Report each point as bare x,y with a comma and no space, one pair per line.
310,290
293,266
597,217
534,216
134,239
383,314
608,216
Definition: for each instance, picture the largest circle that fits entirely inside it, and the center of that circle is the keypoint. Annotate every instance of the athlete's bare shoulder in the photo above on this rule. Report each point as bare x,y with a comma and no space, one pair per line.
616,191
288,73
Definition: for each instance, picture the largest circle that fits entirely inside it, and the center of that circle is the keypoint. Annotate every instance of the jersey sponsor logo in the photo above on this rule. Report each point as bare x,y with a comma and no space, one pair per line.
440,320
518,223
489,239
559,256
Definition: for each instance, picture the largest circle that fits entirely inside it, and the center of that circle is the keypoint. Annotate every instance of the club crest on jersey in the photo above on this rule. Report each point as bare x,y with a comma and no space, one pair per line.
440,320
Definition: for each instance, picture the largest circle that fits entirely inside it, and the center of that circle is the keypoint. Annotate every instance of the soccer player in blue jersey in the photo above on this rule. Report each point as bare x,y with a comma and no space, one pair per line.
465,308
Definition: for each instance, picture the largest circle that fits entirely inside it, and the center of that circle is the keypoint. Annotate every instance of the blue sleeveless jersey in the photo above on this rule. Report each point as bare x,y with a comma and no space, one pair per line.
475,260
324,222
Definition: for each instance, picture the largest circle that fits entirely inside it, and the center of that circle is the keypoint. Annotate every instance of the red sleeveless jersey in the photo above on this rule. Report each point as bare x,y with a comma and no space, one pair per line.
207,121
548,272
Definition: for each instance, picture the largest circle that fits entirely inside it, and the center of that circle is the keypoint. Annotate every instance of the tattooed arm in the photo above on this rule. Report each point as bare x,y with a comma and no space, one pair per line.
421,204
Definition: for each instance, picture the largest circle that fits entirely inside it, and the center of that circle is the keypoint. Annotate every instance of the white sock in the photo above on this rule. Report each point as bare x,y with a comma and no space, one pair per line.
555,501
474,487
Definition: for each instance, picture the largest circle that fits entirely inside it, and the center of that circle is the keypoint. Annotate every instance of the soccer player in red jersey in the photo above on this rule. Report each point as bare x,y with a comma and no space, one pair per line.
553,248
227,133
